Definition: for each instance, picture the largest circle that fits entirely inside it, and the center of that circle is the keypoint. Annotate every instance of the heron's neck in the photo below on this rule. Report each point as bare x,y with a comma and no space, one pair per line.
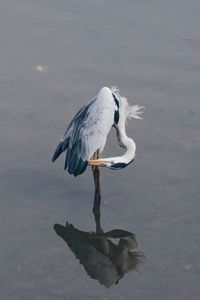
128,144
125,142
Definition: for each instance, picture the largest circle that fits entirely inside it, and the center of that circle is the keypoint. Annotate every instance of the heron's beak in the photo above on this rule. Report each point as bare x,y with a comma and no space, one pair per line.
97,162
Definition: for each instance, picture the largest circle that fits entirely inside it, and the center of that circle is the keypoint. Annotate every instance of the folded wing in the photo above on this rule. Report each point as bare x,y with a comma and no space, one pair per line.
87,133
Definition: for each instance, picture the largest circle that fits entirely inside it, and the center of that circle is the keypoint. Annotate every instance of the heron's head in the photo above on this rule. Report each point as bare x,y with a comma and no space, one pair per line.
114,163
119,165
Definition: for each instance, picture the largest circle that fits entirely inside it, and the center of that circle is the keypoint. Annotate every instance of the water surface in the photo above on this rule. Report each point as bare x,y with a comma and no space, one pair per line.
55,56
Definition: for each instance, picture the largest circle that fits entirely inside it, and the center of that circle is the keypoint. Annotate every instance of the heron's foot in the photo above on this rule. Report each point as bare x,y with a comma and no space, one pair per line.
99,230
97,202
96,209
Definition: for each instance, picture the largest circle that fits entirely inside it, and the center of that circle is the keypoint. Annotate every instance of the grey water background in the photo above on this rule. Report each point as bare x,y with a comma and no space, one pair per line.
54,57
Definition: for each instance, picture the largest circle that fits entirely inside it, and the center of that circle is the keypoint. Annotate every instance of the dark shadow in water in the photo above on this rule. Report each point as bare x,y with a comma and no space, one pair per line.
106,256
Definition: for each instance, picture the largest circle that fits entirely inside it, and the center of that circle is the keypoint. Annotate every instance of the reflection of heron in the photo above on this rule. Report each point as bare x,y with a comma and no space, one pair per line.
86,135
102,258
84,141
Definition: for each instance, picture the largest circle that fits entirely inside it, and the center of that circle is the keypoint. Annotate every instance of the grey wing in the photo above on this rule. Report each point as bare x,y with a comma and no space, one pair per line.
86,133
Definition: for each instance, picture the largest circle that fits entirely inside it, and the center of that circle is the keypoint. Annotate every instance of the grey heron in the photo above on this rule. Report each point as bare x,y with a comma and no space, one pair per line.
86,135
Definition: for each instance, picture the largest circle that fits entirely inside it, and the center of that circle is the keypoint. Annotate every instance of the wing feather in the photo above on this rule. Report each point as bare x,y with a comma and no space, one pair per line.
87,132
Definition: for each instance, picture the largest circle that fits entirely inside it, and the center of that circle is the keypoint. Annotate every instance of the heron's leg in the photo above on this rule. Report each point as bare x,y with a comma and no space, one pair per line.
97,195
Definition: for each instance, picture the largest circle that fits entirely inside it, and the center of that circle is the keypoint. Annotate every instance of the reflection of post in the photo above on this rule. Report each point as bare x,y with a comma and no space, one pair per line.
97,196
97,199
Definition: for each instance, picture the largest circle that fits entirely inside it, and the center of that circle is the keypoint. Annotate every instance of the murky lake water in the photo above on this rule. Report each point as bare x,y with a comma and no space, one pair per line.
55,56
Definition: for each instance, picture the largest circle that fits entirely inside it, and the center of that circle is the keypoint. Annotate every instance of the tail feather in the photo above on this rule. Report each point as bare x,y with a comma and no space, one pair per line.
58,151
65,143
62,146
